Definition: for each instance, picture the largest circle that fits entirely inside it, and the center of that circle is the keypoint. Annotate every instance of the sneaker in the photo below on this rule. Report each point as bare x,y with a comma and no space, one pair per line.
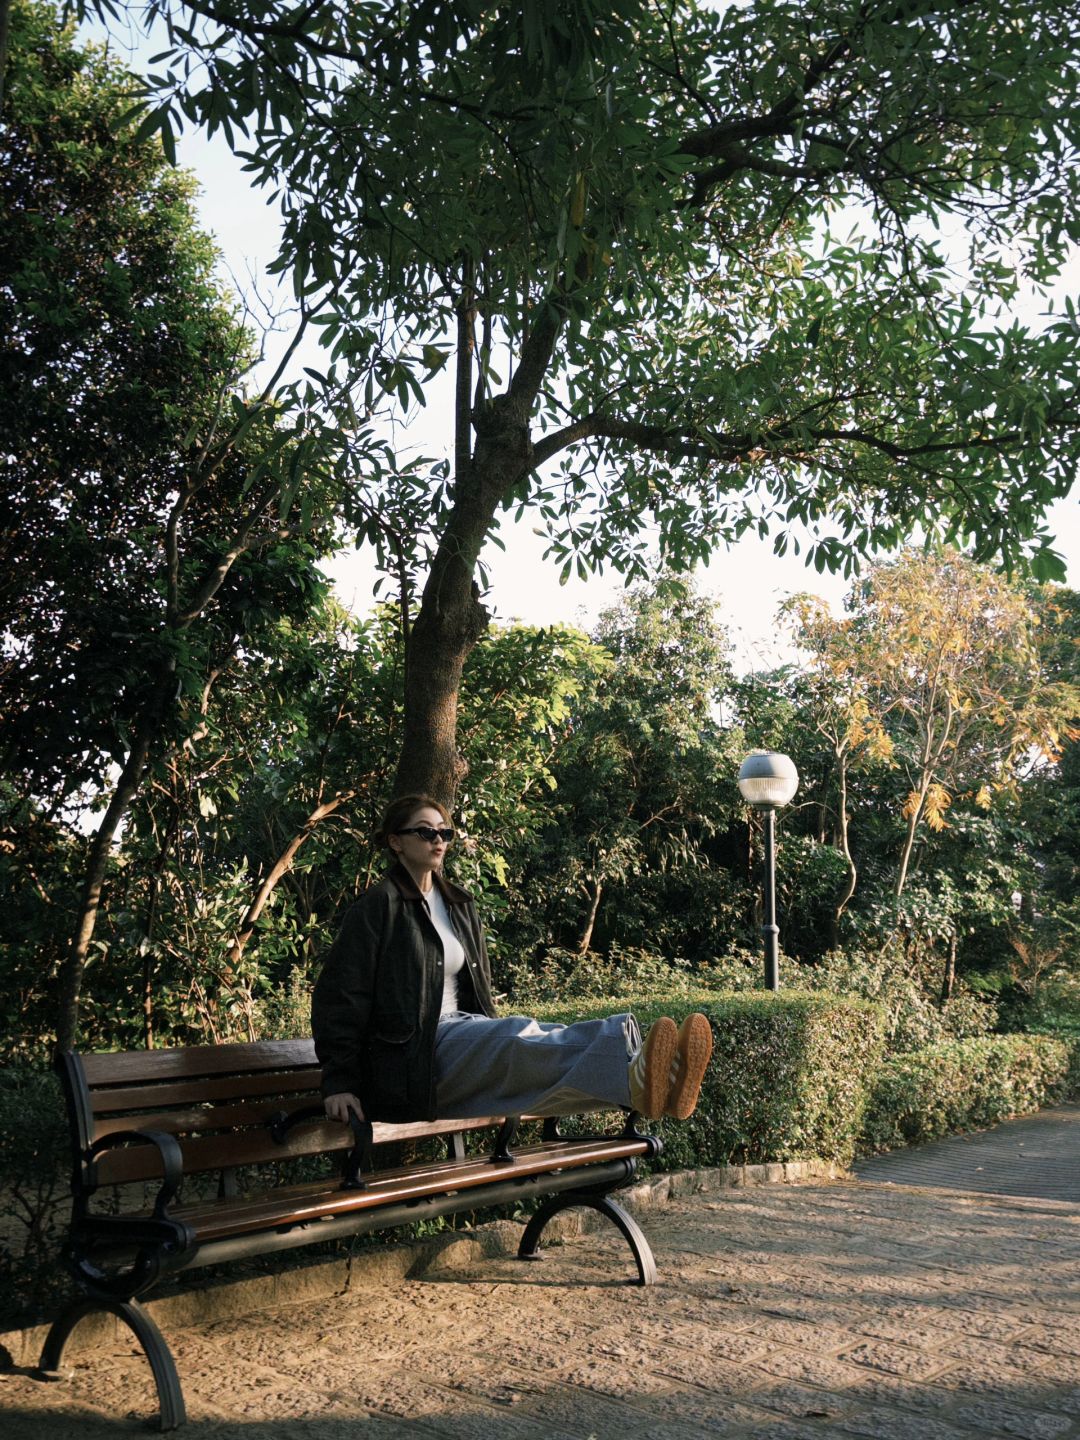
693,1049
650,1069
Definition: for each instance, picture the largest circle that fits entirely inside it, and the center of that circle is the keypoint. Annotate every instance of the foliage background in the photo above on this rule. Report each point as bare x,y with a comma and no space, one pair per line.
165,620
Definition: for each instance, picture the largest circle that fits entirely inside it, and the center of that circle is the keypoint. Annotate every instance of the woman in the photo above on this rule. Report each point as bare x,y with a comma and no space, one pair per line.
405,1027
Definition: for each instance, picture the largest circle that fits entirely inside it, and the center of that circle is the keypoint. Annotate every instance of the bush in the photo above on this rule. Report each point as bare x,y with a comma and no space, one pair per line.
904,990
787,1081
966,1085
34,1186
1055,1009
562,976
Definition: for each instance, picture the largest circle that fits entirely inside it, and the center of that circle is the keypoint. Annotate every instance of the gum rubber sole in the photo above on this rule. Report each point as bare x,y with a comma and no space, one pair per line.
651,1069
694,1049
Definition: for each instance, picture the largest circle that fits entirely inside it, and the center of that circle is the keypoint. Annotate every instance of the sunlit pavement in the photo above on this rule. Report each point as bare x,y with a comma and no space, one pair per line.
1037,1156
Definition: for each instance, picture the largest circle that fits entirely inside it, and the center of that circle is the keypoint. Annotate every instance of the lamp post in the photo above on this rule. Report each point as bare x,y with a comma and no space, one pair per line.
768,780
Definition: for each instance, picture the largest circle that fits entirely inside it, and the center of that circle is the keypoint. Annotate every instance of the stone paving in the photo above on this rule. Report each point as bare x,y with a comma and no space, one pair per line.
782,1313
1035,1155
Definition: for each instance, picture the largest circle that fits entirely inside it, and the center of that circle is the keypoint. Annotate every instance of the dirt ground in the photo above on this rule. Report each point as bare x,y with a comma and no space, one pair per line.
783,1313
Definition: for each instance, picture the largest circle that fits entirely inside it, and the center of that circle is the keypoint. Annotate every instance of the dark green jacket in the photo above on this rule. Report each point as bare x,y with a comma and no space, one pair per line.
377,1001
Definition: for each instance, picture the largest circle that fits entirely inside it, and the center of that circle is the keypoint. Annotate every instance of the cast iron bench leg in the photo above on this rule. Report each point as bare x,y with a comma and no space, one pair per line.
630,1229
170,1396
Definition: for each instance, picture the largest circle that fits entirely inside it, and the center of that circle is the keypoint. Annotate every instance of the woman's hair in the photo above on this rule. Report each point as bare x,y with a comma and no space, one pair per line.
400,811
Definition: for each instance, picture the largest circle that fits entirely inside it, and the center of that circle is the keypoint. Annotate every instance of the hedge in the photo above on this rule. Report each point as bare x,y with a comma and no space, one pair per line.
35,1168
965,1085
787,1080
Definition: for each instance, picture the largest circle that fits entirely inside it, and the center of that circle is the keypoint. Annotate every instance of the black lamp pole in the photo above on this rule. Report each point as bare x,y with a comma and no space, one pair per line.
770,930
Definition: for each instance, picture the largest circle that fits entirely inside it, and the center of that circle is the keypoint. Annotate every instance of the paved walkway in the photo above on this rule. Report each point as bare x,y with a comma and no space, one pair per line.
1036,1155
782,1313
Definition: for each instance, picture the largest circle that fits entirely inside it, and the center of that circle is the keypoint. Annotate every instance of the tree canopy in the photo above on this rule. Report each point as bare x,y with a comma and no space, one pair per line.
153,529
689,271
936,670
696,269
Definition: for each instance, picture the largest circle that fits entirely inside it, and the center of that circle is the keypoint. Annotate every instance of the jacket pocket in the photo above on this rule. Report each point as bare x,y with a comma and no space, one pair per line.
390,1061
393,1030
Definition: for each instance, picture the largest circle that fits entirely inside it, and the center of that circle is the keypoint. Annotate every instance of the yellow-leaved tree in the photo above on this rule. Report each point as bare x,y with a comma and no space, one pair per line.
936,669
846,714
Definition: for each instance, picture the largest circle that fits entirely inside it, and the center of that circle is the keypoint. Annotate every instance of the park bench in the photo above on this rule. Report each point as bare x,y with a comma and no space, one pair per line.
226,1112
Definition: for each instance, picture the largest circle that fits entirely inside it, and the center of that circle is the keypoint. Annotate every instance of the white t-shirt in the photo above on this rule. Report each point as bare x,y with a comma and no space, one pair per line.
453,950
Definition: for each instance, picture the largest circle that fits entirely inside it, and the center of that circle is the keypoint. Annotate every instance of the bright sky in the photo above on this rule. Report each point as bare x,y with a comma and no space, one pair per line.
748,581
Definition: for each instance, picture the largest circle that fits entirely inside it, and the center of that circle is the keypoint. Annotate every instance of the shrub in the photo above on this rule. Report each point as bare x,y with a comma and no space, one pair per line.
284,1011
567,975
33,1184
787,1080
741,969
965,1085
906,993
1055,1010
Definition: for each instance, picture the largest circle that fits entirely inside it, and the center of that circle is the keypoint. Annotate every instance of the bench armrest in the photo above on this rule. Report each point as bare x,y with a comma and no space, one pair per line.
172,1161
629,1131
358,1158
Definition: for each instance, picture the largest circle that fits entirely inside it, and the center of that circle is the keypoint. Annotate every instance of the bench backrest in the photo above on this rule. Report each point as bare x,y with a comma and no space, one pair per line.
218,1100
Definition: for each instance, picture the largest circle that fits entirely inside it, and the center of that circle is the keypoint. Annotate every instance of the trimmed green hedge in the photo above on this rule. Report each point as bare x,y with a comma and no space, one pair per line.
966,1085
787,1079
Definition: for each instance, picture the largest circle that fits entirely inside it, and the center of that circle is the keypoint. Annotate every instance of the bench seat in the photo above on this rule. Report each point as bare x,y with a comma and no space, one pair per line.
313,1201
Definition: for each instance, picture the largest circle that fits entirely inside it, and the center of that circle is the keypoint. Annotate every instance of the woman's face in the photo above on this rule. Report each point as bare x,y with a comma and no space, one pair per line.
422,857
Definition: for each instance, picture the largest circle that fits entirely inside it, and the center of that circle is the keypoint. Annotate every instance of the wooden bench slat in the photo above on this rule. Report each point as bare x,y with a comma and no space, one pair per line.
421,1129
257,1113
256,1146
253,1113
130,1163
324,1198
135,1098
134,1066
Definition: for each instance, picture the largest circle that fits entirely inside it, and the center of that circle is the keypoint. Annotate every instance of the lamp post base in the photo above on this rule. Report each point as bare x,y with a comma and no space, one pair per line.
771,934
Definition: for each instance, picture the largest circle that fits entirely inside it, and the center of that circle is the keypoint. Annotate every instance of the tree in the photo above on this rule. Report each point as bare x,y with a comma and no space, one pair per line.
639,779
835,693
244,847
615,226
36,859
153,518
938,668
1044,929
230,868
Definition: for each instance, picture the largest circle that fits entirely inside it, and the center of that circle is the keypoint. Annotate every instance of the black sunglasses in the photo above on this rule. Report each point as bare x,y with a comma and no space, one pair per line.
426,832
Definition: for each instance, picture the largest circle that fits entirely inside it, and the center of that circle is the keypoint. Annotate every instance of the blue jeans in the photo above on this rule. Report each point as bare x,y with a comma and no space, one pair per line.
518,1066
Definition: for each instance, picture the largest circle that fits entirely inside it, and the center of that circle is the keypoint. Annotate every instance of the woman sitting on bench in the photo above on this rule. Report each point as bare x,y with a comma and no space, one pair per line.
405,1027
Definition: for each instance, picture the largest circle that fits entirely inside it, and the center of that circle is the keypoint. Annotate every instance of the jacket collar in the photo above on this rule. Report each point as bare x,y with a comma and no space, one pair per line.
407,887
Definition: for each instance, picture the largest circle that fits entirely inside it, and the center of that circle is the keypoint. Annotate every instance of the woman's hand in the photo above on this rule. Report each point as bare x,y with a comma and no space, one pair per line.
338,1107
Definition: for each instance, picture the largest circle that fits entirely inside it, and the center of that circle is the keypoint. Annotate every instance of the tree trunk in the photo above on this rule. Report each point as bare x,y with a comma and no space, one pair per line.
445,631
909,845
948,980
168,840
71,971
845,849
451,618
590,921
280,868
933,746
756,900
148,957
